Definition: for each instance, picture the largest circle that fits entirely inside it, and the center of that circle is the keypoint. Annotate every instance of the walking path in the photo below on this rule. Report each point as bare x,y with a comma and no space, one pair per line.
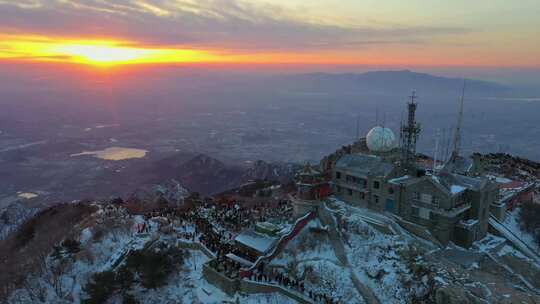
328,219
512,237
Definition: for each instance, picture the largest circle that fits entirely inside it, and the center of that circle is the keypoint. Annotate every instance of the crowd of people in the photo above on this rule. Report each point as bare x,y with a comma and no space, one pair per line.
214,225
278,278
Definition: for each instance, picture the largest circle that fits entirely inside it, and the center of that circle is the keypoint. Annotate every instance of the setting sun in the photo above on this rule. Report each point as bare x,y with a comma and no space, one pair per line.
103,54
95,52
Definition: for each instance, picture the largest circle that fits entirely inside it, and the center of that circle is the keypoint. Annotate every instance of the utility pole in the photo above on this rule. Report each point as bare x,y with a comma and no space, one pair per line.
457,136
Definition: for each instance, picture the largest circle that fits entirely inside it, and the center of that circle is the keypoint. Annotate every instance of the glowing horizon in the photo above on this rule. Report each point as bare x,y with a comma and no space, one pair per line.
99,52
108,52
416,33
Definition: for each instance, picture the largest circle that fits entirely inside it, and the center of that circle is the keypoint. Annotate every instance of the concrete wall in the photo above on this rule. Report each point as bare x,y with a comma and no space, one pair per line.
427,187
441,227
195,246
229,286
444,229
384,192
465,237
498,211
419,231
256,287
480,209
372,197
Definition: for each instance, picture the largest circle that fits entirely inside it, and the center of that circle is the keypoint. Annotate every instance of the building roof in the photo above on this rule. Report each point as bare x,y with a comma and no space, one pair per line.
260,242
459,165
309,170
451,184
364,165
402,180
456,184
469,182
239,260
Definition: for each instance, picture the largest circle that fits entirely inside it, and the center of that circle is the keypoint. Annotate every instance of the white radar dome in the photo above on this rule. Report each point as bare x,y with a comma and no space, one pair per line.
381,139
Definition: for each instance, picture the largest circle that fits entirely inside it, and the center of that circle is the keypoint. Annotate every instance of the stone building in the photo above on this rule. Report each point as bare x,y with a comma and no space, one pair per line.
451,205
362,180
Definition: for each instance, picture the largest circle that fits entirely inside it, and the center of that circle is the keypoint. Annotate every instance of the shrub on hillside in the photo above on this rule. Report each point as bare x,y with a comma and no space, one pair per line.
71,246
150,267
100,287
25,234
154,266
129,299
124,278
66,248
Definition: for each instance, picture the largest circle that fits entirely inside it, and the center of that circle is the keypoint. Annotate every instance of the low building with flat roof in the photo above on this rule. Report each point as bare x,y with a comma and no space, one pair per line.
253,245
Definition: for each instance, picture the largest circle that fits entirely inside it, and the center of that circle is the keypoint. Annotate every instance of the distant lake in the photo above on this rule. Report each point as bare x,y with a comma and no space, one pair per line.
26,195
115,153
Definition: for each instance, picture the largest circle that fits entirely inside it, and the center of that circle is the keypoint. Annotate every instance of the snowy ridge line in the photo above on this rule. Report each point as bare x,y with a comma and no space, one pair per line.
516,240
298,225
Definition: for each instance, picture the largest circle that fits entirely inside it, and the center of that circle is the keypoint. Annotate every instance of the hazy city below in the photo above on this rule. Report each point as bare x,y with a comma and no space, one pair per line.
58,127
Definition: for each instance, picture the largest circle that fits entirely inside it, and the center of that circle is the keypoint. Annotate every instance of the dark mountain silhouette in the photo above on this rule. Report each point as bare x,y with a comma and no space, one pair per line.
386,82
208,175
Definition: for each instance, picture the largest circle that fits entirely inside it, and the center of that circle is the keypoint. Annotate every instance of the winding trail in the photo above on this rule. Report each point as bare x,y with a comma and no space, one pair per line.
328,219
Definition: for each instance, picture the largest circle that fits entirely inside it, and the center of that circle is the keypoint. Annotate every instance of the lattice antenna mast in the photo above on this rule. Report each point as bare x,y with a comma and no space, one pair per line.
410,132
457,136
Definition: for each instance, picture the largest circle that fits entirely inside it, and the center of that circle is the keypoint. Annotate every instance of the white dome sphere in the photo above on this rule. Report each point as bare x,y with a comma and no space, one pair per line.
381,139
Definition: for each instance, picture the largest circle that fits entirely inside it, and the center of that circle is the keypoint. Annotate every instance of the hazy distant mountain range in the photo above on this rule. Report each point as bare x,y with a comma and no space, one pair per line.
394,81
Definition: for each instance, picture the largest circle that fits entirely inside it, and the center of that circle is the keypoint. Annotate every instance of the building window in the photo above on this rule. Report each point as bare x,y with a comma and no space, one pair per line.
424,213
338,175
426,198
362,195
349,191
415,211
416,195
436,200
338,189
390,190
376,184
376,199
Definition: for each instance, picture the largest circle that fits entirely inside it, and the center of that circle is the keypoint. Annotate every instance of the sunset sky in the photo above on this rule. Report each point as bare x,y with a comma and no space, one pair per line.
463,33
